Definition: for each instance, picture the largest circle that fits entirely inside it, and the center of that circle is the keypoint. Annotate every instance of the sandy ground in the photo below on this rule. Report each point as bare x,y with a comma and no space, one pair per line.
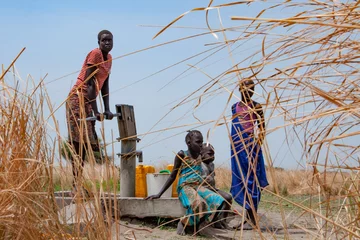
271,227
298,226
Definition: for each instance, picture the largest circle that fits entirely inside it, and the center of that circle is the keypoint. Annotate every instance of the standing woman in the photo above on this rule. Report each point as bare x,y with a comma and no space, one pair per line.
81,103
247,162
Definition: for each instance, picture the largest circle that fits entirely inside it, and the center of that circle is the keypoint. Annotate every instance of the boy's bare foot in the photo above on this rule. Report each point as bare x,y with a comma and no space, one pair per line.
180,230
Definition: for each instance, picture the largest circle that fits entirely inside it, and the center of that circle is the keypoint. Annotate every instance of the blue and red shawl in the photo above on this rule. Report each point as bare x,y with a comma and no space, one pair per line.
247,165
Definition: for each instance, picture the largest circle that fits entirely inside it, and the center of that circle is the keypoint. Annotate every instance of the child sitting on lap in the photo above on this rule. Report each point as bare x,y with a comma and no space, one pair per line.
202,205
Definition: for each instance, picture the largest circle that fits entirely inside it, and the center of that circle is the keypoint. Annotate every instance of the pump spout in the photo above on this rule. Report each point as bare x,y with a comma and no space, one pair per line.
139,154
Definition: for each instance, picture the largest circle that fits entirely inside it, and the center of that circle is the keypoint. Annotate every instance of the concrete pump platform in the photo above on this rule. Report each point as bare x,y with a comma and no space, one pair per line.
130,206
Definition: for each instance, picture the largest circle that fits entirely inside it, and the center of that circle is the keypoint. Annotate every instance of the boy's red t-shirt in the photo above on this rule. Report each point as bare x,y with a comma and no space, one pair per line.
104,68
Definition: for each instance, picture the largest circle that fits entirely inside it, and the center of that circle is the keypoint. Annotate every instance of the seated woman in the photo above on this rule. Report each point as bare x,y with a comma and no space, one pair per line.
201,204
208,174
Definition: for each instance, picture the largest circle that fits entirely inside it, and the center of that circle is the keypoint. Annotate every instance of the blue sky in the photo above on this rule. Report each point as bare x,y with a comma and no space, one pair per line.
58,35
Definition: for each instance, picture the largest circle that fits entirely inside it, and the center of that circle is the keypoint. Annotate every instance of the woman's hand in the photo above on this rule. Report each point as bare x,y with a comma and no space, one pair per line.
152,197
99,116
108,115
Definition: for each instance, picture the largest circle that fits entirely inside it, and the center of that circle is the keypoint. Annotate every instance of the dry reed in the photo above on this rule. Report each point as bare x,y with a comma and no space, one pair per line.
26,160
293,182
307,66
27,174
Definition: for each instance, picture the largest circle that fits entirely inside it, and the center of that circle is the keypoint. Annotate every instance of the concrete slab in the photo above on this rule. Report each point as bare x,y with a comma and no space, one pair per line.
77,213
127,206
63,198
140,208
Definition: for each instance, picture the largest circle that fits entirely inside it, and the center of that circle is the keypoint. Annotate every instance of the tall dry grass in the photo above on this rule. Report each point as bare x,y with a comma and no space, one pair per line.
63,176
294,182
307,66
26,201
27,174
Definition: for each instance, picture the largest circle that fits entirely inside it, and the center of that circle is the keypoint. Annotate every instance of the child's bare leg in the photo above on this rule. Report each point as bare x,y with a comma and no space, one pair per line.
224,216
219,217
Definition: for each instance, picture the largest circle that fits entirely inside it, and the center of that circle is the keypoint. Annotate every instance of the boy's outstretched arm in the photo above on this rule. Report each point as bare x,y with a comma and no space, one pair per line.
261,123
171,179
105,95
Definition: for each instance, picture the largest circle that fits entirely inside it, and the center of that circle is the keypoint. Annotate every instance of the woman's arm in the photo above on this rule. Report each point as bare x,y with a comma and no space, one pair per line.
105,95
91,90
171,179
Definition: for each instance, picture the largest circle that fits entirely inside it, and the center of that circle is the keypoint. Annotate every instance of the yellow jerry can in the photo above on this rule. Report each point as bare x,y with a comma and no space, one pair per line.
140,181
174,186
149,169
